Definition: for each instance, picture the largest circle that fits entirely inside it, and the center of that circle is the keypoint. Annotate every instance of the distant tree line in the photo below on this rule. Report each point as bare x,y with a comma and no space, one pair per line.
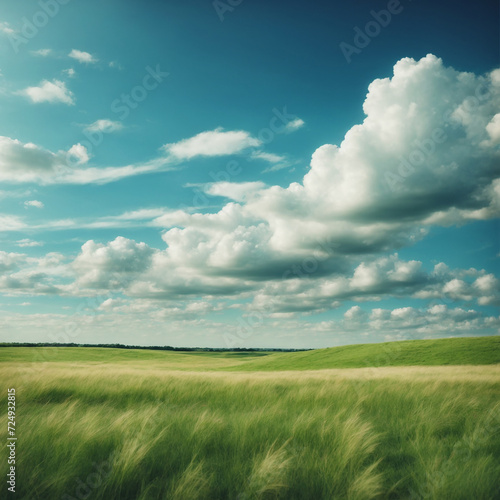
150,348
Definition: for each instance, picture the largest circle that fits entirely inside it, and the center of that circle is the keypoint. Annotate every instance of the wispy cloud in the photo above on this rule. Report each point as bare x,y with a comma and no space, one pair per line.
276,167
26,242
5,28
104,125
278,162
238,191
42,52
11,223
70,72
131,219
15,193
212,143
269,157
294,125
30,163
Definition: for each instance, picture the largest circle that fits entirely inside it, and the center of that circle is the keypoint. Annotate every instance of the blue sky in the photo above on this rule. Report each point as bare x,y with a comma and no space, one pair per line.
248,173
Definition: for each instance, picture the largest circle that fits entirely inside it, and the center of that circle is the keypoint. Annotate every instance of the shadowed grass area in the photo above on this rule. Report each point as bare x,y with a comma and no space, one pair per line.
123,432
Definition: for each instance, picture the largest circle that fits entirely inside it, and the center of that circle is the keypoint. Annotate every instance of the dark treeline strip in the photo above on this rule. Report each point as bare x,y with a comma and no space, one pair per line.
150,348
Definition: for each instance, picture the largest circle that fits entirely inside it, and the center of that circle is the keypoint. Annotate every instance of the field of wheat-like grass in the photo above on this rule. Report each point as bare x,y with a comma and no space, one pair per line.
129,431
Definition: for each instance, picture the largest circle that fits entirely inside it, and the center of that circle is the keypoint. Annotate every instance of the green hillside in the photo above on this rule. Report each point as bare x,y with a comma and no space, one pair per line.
100,356
453,351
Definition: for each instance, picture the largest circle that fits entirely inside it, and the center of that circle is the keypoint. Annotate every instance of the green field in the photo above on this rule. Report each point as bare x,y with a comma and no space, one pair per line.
350,422
453,351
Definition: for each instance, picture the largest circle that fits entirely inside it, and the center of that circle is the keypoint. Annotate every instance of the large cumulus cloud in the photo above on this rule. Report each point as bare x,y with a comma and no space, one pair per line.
427,153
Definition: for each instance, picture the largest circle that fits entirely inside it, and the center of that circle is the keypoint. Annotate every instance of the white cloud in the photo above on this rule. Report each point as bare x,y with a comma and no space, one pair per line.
238,191
345,198
70,72
21,275
276,167
141,214
80,153
135,218
434,321
294,125
269,157
5,28
106,126
43,166
103,175
15,193
355,314
493,129
54,91
212,143
29,163
278,162
11,223
33,203
372,280
82,57
26,242
42,52
487,283
113,265
488,287
10,261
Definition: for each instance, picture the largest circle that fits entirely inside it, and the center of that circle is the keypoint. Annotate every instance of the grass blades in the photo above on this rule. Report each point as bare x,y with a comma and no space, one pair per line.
126,432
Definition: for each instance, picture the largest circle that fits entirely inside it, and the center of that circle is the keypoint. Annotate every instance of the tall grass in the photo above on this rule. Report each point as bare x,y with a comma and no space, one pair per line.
116,432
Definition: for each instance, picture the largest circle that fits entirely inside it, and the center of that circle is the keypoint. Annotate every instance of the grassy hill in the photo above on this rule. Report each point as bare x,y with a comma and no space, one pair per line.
100,356
454,351
110,424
